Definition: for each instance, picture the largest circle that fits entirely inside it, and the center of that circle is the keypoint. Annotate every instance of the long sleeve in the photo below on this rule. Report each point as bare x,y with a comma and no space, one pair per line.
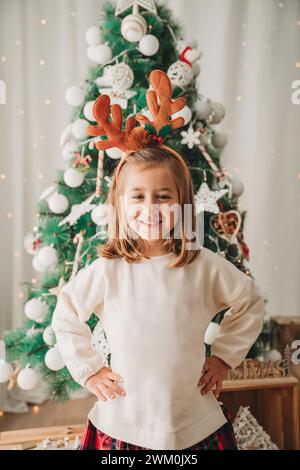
78,299
240,328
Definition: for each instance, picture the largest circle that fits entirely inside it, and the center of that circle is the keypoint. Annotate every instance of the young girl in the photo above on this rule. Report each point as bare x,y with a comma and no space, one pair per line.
156,297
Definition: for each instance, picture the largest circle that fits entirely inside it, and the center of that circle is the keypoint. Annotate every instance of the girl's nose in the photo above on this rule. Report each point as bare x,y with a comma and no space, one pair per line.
151,211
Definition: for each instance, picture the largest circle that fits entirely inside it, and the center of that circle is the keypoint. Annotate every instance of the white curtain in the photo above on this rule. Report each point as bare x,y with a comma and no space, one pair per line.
250,50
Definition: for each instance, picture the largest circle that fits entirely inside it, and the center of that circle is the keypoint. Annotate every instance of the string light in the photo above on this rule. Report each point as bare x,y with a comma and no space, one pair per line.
18,42
239,98
40,176
3,58
42,62
9,215
3,176
21,295
281,5
34,145
17,254
33,281
35,409
1,413
43,21
47,101
298,65
244,43
21,111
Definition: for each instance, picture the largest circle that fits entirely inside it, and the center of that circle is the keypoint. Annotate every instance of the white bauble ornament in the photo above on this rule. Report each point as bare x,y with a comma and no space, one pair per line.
196,69
53,359
90,53
88,111
99,54
99,214
73,178
114,153
37,265
237,186
58,203
79,129
149,45
69,149
202,109
47,256
36,310
134,26
6,370
180,74
49,336
28,378
29,239
273,355
121,76
185,112
211,333
217,112
74,96
93,35
219,140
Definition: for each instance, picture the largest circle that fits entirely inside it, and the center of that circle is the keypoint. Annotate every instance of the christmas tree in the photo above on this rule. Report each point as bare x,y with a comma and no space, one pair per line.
132,39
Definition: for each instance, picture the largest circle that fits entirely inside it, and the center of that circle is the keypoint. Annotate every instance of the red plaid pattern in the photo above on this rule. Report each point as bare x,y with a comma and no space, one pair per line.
222,439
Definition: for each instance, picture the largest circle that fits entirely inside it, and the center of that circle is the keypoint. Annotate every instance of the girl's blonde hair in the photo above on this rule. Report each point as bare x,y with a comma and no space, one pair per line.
133,250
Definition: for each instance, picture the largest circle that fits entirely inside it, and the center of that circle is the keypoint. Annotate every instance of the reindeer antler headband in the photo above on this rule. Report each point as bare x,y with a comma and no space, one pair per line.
134,137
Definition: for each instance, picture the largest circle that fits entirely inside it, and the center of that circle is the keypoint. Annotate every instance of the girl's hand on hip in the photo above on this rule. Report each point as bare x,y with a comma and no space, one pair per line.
104,384
213,373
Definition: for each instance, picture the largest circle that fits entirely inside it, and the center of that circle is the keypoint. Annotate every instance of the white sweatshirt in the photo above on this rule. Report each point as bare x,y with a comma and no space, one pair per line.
155,319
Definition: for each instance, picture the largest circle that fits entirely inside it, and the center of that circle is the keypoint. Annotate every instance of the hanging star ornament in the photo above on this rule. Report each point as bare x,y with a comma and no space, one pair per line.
78,210
123,5
206,200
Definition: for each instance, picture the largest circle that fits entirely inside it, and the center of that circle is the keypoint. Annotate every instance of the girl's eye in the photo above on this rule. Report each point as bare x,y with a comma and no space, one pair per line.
140,195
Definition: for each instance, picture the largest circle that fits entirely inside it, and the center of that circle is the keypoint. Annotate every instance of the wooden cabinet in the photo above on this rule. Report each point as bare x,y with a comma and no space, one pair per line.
273,402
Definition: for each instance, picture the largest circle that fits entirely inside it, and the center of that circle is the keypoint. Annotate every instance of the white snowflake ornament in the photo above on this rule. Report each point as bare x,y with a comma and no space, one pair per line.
190,137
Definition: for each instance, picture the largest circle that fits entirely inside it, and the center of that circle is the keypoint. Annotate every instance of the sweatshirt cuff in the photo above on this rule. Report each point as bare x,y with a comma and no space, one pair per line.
87,371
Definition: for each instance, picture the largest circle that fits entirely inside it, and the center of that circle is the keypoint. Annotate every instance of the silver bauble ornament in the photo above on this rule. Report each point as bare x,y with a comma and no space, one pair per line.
180,74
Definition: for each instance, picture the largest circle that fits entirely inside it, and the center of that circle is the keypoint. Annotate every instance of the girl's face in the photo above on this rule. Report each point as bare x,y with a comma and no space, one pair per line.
147,200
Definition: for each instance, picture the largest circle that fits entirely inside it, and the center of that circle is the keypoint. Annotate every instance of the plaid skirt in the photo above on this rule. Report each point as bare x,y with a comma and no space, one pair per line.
222,439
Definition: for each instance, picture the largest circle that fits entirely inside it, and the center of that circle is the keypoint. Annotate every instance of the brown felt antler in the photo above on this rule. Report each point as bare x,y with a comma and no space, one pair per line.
136,137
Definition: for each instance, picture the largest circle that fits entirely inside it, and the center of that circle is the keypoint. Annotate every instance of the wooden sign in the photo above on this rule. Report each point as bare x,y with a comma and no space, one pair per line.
255,369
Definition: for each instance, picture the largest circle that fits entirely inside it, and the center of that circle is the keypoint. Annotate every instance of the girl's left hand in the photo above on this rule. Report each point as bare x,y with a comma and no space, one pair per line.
213,373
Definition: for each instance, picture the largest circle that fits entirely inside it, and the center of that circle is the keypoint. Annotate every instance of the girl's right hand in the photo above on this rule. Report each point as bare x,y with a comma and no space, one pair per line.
103,384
